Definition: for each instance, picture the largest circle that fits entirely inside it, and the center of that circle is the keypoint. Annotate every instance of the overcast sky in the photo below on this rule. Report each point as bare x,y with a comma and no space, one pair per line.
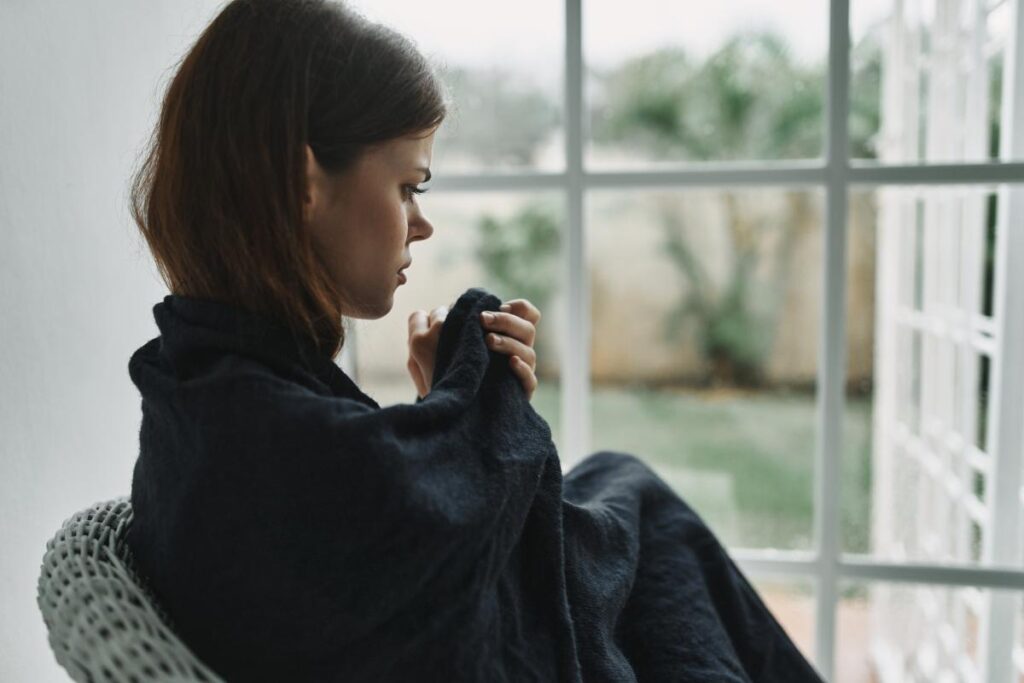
529,33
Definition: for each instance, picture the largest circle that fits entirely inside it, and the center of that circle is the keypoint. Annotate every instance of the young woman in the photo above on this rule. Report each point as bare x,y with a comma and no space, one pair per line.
295,530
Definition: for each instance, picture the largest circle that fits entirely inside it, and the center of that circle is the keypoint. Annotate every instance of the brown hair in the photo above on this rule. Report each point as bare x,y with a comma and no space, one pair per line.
218,197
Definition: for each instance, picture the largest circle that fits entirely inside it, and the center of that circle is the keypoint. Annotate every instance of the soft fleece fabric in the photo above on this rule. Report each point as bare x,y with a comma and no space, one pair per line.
295,530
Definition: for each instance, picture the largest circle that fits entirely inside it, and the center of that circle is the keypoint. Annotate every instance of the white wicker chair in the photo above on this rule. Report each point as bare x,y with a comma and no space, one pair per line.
103,623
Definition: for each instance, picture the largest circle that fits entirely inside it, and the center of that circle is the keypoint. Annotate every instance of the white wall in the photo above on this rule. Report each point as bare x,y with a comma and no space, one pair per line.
80,85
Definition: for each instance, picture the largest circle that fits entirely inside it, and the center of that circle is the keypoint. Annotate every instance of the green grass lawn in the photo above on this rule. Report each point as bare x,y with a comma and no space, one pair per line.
744,461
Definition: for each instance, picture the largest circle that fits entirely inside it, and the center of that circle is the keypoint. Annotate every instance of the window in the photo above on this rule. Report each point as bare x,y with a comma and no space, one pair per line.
780,256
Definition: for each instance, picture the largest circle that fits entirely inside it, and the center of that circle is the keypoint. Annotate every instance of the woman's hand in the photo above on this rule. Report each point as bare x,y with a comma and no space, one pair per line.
424,332
515,325
513,332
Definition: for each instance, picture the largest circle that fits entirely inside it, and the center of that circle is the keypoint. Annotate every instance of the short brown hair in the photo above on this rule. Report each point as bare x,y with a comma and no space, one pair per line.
218,197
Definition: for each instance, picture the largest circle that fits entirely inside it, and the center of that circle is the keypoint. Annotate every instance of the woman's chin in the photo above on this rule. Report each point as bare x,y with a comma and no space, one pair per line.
367,310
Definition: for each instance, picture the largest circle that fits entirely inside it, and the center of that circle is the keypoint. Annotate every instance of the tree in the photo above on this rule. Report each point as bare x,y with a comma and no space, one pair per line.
521,255
497,118
748,101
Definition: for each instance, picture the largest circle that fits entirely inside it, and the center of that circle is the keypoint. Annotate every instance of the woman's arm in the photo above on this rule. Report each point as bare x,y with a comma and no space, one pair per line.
376,508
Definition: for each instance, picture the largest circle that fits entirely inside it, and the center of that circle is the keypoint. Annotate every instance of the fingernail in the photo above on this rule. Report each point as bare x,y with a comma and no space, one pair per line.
488,317
505,307
496,339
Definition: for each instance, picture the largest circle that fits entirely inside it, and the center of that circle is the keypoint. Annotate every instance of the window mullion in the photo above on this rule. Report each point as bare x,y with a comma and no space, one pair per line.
784,173
831,355
575,347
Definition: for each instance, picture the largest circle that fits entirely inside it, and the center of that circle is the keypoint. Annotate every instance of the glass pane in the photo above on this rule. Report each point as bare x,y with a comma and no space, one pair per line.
508,243
792,604
914,632
506,92
926,82
704,329
670,82
916,461
1018,642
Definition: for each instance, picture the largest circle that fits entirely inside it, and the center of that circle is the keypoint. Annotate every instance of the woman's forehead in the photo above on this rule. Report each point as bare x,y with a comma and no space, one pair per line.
406,154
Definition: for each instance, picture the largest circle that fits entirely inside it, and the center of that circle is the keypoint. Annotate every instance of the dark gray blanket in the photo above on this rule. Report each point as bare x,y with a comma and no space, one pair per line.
295,530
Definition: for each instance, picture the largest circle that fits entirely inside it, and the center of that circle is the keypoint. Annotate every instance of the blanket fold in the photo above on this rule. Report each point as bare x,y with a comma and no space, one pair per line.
296,530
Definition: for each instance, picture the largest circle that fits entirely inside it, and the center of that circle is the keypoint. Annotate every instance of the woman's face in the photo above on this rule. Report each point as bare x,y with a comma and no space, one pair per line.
363,221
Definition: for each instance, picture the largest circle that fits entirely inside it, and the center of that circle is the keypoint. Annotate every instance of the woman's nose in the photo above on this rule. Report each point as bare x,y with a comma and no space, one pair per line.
421,228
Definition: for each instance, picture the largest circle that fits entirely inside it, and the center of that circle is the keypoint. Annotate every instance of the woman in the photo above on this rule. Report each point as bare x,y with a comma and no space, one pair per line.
295,530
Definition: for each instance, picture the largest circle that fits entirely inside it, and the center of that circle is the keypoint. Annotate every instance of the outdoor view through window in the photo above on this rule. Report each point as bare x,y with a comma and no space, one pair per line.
664,182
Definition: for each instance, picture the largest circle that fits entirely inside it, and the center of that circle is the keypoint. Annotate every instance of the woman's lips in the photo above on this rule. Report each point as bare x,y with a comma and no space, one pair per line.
401,278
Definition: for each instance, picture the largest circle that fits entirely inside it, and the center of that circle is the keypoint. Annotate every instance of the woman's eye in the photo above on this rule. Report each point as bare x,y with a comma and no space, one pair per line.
412,189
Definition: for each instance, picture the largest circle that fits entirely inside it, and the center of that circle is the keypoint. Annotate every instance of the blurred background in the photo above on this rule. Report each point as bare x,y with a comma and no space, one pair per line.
705,297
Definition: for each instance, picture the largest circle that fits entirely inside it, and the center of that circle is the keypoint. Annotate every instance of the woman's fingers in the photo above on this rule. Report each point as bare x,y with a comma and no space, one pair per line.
438,315
523,308
510,325
424,331
418,322
417,377
512,331
422,326
525,374
510,346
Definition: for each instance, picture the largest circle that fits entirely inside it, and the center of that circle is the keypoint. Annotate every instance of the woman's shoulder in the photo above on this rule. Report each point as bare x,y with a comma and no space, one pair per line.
241,392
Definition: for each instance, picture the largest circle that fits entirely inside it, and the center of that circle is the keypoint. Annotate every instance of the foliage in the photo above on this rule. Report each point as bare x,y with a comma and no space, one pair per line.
497,118
521,256
865,95
748,101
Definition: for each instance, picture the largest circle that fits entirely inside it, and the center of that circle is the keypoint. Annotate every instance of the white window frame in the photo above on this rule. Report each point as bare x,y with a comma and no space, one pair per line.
825,564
